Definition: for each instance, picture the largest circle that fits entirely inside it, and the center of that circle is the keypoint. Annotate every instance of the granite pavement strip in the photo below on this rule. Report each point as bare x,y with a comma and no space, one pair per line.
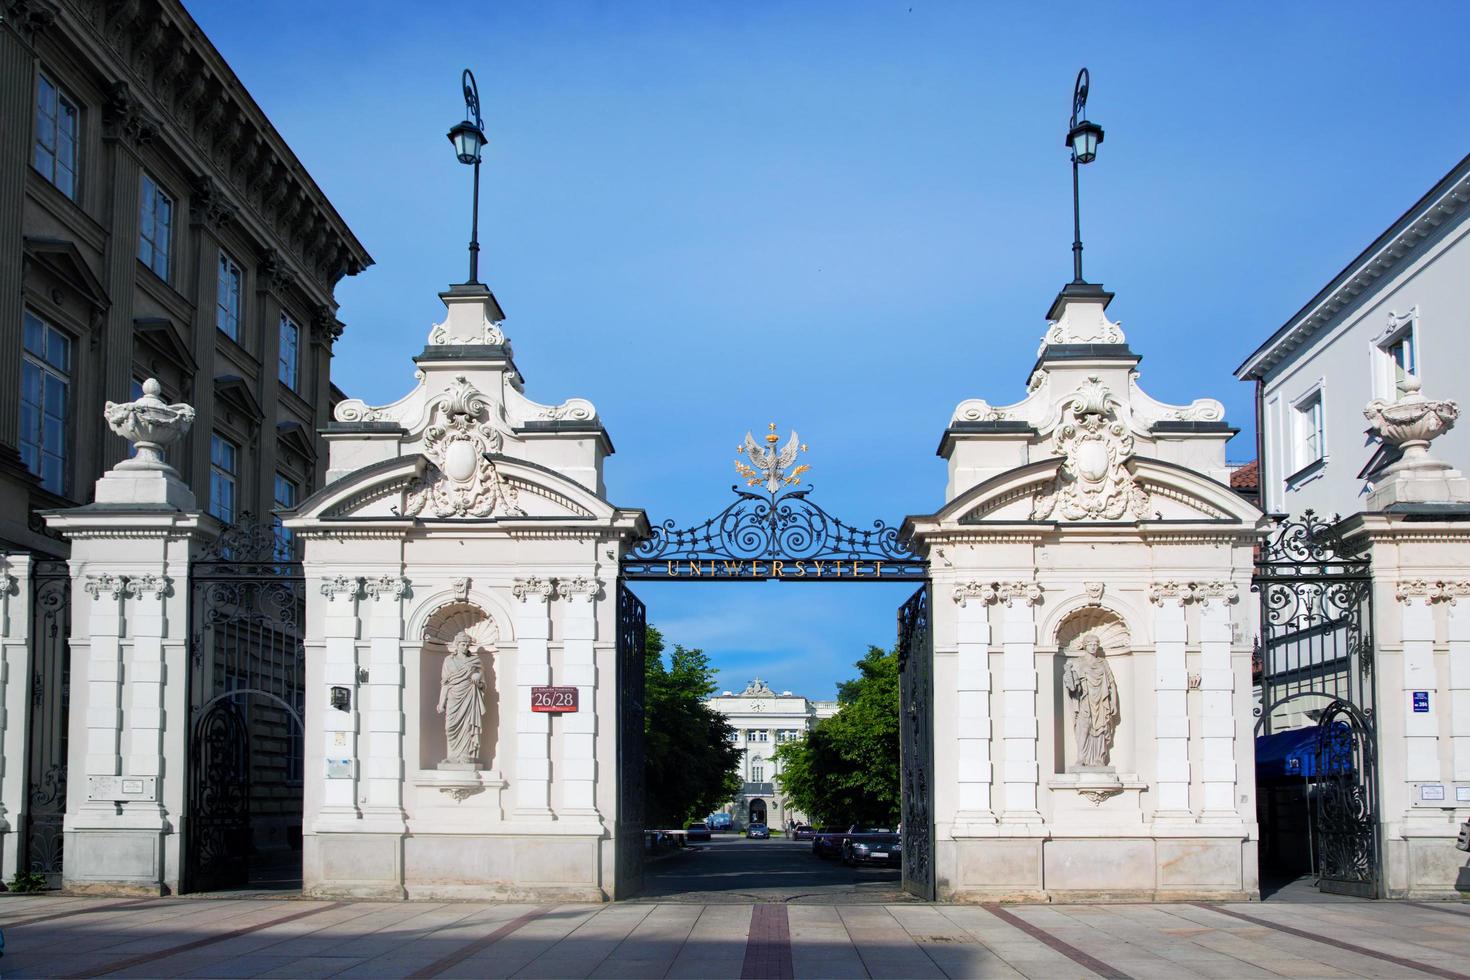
172,937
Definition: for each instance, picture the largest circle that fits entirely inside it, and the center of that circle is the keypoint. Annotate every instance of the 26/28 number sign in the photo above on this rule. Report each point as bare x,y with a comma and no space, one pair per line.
554,699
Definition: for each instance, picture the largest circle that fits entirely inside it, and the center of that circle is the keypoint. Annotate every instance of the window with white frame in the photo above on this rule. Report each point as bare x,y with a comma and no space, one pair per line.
55,154
155,227
1311,429
285,498
1397,356
289,353
45,401
224,474
227,297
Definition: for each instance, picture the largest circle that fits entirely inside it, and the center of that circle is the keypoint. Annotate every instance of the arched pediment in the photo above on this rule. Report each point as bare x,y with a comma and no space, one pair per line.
411,488
1173,493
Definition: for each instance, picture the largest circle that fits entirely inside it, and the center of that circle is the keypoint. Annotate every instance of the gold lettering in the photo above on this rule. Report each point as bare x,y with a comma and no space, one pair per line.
695,568
778,568
801,569
755,569
837,568
818,566
732,568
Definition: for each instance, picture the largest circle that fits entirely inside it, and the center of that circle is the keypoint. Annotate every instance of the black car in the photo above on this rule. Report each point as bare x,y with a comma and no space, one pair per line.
827,842
697,831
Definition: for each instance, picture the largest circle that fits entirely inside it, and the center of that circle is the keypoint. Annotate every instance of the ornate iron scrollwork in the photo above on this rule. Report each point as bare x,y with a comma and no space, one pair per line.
758,532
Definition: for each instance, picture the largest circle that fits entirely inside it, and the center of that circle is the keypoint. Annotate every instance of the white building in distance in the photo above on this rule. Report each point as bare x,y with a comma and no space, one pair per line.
762,720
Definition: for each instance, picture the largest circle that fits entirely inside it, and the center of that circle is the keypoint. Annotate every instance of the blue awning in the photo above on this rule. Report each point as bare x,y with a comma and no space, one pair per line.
1294,755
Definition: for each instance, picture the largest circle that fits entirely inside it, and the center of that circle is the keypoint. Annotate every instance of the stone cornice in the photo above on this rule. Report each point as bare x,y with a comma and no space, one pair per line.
1398,244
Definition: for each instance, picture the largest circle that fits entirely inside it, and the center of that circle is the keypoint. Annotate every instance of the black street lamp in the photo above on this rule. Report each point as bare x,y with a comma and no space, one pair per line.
1083,138
468,137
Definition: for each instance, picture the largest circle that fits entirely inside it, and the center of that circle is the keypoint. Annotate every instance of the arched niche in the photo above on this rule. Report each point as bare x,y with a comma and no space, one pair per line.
440,627
1117,645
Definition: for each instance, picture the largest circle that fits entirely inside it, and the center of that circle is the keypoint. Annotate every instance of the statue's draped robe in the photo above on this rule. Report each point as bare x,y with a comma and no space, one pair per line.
1090,681
462,683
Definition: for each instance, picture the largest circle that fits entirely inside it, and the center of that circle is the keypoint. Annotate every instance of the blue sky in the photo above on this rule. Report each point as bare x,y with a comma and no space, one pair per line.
842,217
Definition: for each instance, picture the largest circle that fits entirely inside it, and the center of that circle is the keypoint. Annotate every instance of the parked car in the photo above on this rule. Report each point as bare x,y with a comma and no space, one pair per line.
721,822
872,845
758,831
697,831
803,831
827,842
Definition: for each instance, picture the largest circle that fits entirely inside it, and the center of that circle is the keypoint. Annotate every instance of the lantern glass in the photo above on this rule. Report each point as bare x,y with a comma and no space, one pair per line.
467,140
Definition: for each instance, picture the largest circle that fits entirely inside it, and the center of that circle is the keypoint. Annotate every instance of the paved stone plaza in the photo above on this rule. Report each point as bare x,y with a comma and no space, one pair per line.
261,937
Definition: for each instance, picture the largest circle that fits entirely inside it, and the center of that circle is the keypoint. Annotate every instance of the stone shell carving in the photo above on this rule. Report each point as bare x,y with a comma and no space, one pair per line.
1093,481
462,480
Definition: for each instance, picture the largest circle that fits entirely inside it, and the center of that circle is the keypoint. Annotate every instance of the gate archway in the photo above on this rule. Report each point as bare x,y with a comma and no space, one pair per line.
774,531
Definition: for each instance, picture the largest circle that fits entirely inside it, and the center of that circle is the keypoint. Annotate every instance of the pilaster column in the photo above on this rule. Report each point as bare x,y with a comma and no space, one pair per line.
104,675
972,703
15,669
1171,694
533,669
147,625
1421,728
339,719
1459,640
384,702
1019,726
1217,691
577,768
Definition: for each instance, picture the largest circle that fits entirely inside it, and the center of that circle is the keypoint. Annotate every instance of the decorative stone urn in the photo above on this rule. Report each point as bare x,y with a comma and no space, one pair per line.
150,425
1410,424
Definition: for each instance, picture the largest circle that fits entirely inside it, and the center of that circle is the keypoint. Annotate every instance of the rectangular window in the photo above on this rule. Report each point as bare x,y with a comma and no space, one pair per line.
45,402
155,227
1311,430
290,351
227,297
224,457
285,499
56,136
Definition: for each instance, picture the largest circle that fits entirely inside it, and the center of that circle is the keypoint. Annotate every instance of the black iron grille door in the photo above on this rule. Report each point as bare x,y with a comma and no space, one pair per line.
246,704
1314,666
916,743
631,776
50,691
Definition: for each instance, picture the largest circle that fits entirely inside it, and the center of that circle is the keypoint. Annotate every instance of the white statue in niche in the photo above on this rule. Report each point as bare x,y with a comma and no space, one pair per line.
461,702
1089,681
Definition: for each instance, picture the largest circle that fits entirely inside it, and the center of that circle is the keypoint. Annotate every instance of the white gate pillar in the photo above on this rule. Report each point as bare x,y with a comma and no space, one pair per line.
533,669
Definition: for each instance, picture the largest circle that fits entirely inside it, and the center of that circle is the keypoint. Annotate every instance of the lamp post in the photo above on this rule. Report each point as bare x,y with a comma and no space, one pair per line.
1082,138
468,137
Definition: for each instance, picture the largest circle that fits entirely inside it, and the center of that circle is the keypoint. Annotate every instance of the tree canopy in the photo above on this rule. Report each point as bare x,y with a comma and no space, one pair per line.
846,768
692,764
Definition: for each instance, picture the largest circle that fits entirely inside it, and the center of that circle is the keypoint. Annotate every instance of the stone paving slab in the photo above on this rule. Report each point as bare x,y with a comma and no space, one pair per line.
240,938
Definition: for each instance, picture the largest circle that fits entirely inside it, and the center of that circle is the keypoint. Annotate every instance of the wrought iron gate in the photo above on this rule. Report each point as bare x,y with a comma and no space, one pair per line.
916,742
631,756
50,692
246,703
1315,662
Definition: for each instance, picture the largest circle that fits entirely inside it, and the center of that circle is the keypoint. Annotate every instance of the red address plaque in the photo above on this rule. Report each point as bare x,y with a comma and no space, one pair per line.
554,699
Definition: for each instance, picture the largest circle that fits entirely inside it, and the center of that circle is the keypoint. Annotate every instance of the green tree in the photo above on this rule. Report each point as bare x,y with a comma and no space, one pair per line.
692,762
846,768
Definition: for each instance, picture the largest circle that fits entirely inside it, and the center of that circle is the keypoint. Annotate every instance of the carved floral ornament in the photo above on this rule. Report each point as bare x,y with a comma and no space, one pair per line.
1093,481
991,592
1187,592
1431,591
462,481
